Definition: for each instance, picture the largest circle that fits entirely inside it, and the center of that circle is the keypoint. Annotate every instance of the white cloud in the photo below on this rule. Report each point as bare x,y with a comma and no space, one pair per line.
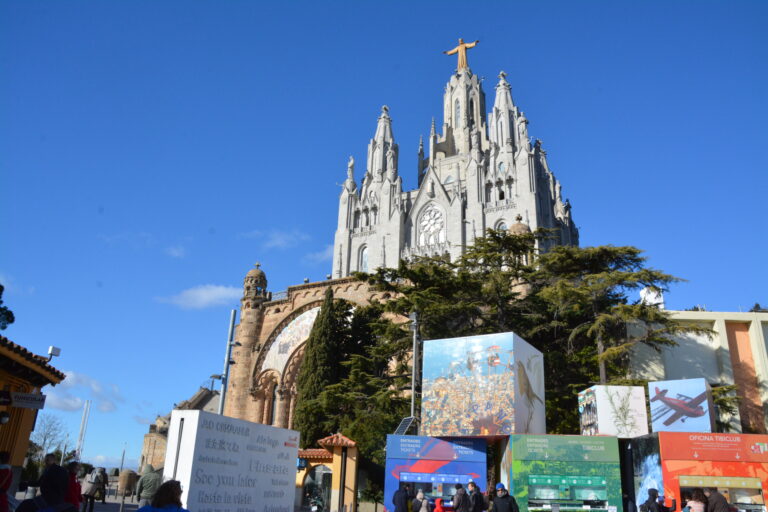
176,251
63,401
284,239
71,393
204,296
12,287
320,256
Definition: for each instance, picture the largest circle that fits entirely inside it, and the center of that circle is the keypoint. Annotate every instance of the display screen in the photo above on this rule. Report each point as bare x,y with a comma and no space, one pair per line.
575,492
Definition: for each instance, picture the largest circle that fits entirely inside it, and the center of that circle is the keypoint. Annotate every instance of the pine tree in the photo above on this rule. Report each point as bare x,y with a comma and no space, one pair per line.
320,368
6,315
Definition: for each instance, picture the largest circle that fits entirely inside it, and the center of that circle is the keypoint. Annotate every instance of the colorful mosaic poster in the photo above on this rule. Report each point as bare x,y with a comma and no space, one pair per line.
482,386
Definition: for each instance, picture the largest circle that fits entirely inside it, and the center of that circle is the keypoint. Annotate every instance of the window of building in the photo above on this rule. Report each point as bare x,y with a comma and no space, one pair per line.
273,412
488,192
471,113
431,226
501,168
363,259
356,222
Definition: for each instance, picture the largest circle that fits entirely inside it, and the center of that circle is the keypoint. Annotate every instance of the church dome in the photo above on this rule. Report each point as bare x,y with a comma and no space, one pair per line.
256,272
519,228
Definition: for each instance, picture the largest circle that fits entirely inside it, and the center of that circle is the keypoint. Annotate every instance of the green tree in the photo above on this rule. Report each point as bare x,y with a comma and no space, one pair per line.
321,367
571,303
6,315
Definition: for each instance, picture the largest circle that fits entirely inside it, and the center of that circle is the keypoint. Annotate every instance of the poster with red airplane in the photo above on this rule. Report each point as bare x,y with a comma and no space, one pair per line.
681,406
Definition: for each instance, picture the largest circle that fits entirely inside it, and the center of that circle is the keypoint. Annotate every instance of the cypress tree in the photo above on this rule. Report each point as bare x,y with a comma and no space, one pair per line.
321,367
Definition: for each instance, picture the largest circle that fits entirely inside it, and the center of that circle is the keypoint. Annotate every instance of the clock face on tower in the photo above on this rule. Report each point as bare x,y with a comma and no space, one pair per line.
431,226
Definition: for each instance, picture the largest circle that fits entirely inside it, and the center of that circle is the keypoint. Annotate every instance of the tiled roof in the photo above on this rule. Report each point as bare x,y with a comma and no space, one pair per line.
337,440
38,361
315,453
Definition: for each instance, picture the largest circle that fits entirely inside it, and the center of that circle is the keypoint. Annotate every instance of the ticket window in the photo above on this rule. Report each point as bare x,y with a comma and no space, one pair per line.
568,492
743,494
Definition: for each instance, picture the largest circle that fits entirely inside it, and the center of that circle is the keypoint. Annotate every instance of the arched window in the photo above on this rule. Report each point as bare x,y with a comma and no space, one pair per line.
488,191
457,114
501,168
431,226
356,223
366,218
471,113
374,215
363,259
501,225
499,133
500,190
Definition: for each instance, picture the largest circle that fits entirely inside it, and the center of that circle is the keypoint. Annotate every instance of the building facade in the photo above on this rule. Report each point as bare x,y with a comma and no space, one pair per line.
478,171
737,353
156,440
21,371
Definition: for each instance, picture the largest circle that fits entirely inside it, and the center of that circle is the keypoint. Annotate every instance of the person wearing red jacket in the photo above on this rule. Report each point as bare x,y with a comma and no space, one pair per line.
74,493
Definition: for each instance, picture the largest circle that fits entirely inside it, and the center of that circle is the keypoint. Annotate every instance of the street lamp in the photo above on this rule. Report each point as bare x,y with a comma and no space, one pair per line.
224,376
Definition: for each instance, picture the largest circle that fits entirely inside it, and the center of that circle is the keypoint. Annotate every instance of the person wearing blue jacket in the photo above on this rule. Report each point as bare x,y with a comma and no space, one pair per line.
166,499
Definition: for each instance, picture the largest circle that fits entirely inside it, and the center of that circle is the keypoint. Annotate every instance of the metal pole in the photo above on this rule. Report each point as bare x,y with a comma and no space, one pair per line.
227,356
414,360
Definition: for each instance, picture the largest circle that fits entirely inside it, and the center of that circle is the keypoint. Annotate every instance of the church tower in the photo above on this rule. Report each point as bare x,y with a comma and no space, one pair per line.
481,172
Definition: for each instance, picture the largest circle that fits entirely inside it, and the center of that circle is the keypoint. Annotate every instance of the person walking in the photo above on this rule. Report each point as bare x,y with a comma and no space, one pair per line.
461,500
503,501
400,498
476,498
166,499
148,485
74,495
93,484
420,503
716,502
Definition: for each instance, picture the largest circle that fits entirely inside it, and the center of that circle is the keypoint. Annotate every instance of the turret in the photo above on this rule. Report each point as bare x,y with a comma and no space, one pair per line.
503,115
255,288
382,150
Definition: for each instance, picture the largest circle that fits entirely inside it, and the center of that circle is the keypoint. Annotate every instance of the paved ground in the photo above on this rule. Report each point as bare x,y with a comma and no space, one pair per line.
112,503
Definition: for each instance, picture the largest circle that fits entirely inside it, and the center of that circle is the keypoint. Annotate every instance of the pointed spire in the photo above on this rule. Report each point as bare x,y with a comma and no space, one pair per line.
503,94
421,144
384,127
432,130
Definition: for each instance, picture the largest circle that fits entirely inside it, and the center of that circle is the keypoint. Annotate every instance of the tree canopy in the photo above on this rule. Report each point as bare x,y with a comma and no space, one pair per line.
6,315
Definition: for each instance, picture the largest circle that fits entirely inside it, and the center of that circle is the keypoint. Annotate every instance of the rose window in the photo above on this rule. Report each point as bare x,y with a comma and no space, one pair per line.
431,227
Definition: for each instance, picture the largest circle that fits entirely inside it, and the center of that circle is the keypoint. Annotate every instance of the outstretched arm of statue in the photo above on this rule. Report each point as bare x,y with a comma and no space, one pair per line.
451,52
472,45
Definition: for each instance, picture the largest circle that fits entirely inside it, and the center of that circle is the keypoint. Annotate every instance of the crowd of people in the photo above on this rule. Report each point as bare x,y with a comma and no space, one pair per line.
463,501
698,500
62,490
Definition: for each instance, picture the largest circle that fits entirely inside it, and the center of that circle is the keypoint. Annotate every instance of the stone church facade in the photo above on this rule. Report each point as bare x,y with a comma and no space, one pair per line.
481,172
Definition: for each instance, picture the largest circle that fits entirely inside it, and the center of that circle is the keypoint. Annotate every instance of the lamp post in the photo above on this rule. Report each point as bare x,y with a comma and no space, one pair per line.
414,359
224,377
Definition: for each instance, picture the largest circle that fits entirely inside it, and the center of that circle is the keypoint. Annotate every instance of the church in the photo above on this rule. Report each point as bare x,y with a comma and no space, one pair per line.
479,171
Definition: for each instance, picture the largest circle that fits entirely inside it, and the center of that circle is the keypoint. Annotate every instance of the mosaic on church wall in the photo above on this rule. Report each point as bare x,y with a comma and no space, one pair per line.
293,335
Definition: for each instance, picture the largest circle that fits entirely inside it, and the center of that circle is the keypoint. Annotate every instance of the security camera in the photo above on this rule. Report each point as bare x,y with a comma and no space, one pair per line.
53,352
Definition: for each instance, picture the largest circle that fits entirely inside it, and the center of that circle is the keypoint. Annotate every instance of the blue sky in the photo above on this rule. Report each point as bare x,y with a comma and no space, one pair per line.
151,152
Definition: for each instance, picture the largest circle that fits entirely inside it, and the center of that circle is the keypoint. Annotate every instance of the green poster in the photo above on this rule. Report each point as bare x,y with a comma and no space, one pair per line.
575,472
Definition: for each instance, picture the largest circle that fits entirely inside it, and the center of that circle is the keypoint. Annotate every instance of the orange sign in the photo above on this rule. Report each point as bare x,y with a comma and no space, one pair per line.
713,447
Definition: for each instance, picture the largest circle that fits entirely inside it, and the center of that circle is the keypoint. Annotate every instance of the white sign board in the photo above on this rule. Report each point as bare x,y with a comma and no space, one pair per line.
28,400
230,465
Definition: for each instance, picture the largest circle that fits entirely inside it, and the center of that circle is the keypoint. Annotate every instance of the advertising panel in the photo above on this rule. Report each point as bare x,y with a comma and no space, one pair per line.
613,411
433,465
230,465
566,472
677,462
681,406
482,386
